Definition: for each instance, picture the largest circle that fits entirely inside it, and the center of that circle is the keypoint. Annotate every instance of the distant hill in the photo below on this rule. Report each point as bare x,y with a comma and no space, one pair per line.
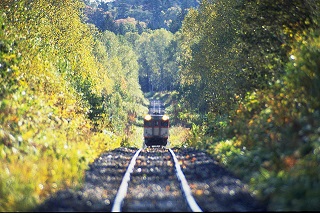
120,16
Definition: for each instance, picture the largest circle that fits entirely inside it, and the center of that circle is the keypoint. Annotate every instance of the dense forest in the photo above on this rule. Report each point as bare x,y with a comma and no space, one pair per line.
241,80
122,16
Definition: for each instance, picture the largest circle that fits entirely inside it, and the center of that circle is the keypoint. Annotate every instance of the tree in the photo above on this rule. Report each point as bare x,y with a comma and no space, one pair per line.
158,68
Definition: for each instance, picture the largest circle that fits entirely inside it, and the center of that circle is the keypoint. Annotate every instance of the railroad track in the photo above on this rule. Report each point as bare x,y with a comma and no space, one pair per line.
158,171
151,180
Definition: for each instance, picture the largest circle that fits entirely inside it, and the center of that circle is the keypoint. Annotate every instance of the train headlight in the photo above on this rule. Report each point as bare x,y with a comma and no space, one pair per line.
147,117
165,117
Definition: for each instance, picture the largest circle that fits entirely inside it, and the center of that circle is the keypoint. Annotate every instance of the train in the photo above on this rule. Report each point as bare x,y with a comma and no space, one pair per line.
156,125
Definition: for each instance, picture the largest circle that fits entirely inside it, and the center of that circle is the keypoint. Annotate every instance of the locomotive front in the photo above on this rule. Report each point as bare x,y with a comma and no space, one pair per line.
156,126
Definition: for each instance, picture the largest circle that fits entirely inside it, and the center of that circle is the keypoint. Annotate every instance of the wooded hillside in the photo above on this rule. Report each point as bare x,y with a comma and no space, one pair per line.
68,93
121,16
241,80
250,72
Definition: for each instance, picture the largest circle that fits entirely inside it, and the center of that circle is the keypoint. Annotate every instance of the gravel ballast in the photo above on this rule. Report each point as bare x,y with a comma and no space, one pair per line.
153,186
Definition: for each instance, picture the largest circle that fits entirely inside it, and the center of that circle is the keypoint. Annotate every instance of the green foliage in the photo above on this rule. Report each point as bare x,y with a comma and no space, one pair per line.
8,64
61,81
208,56
123,98
8,68
158,68
304,69
249,94
276,131
179,136
144,15
226,152
256,94
229,48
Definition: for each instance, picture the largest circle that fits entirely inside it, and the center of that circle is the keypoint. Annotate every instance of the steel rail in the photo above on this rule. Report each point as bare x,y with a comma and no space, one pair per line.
122,191
184,184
